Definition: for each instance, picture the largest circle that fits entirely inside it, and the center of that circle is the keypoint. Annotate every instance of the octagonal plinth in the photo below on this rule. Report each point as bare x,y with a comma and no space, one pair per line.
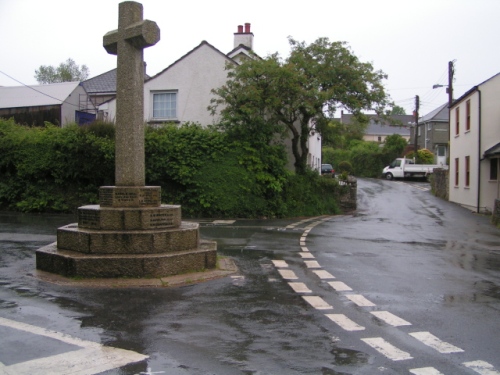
110,218
90,241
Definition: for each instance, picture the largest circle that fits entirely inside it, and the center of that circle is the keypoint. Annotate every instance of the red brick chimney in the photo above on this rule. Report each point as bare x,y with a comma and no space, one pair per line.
244,37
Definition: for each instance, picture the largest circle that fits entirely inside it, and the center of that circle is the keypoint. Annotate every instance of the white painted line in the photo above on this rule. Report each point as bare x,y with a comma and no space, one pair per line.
435,343
312,264
306,255
288,274
339,286
322,274
302,243
317,302
302,239
223,222
344,322
359,300
93,358
280,263
482,367
300,287
387,349
425,371
390,319
305,249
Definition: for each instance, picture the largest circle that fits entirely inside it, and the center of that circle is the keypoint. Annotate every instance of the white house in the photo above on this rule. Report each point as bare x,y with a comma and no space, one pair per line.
182,92
475,147
58,103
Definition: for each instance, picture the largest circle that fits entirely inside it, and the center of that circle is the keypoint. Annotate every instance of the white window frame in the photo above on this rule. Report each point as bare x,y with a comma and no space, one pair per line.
167,116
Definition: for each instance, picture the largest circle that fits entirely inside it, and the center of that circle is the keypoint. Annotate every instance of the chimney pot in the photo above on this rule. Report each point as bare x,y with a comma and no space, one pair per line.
240,29
247,28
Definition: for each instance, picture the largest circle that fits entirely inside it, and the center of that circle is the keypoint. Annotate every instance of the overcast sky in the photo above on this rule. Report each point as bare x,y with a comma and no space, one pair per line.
411,41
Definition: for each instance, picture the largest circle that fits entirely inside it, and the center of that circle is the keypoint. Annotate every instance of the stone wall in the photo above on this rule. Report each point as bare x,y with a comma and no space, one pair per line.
348,194
495,218
440,183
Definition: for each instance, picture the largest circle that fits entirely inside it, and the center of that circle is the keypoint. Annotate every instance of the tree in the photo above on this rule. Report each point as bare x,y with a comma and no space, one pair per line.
297,96
67,71
397,110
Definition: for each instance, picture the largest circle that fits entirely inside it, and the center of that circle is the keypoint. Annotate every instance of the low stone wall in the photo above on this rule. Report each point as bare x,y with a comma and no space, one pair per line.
440,183
349,194
495,217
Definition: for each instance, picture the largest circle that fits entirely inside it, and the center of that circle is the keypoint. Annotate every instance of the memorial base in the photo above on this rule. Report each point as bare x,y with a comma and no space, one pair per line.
130,234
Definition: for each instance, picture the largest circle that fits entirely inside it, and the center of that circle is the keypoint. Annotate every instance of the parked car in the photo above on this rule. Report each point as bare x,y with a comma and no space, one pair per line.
327,170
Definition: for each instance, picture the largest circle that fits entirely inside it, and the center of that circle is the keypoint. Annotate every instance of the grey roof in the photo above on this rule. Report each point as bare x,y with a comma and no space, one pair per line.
103,83
380,126
38,95
493,151
441,113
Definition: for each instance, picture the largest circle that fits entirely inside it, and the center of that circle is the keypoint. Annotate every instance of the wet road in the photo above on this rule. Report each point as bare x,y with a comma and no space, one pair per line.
410,284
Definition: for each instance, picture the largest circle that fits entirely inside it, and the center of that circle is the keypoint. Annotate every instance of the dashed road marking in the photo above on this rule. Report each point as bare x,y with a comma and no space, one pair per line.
339,286
435,343
288,274
481,367
306,255
300,287
425,371
92,358
280,263
359,300
388,350
302,243
317,302
344,322
324,275
312,264
390,319
305,249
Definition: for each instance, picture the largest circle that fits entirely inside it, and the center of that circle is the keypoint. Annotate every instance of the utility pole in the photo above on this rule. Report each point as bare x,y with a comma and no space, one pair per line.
449,90
417,107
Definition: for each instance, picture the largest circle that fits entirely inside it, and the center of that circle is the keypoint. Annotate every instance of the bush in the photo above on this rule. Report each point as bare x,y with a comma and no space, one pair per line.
344,166
424,156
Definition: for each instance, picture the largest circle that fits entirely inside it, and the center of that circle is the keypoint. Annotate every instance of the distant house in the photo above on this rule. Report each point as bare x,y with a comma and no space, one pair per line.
378,128
475,147
182,92
58,103
102,87
433,133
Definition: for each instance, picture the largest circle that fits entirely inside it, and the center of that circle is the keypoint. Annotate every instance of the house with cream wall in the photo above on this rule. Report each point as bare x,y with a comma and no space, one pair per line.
475,147
182,92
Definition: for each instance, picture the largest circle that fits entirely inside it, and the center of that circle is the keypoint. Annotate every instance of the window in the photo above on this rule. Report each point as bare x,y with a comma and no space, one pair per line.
457,121
467,171
165,105
494,169
429,126
441,150
457,173
380,139
467,115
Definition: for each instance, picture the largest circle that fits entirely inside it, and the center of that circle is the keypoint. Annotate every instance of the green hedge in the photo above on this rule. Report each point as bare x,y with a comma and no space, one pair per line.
54,169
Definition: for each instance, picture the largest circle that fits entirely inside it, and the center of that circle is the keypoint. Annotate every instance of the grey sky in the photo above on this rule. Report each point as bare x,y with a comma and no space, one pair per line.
411,41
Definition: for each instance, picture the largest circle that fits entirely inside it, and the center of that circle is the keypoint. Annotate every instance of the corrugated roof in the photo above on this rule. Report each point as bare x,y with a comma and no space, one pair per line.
39,95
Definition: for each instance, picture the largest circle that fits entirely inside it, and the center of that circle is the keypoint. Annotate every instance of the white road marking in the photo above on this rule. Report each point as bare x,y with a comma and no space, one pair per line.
339,286
359,300
302,239
312,264
305,249
223,222
93,358
387,349
288,274
390,319
324,275
317,302
300,287
481,367
306,255
344,322
435,343
280,263
302,243
425,371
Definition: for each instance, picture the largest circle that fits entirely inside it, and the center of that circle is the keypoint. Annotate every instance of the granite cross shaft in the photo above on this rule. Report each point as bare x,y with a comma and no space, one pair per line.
128,42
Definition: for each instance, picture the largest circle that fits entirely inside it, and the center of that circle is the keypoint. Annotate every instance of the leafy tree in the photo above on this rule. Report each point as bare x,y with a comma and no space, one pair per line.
397,110
297,96
395,143
67,71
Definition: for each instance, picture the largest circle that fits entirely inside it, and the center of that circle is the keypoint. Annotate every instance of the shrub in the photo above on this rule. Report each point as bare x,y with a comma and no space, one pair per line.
345,166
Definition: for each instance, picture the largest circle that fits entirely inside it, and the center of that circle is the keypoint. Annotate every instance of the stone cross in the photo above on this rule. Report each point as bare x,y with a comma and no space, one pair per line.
133,35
